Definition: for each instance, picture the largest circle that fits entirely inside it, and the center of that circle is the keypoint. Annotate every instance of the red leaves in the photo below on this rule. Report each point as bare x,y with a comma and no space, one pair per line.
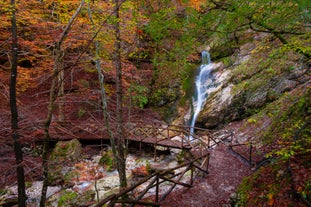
141,171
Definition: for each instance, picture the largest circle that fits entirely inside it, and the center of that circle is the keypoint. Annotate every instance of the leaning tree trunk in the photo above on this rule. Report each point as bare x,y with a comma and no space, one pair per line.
61,76
58,57
14,114
101,84
120,139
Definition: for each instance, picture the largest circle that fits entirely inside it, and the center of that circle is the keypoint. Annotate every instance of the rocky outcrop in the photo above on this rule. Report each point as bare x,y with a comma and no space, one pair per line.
243,89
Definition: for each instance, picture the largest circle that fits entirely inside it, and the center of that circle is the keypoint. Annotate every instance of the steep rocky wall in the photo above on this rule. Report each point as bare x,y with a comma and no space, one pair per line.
256,77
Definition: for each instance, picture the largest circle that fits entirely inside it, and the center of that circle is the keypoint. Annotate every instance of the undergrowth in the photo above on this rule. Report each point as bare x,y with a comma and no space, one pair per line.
285,181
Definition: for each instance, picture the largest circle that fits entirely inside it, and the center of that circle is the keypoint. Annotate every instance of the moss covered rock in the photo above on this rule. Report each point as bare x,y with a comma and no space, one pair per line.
65,152
107,160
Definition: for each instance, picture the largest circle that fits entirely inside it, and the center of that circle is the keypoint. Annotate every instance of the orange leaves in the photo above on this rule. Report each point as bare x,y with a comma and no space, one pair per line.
24,79
270,199
86,172
140,171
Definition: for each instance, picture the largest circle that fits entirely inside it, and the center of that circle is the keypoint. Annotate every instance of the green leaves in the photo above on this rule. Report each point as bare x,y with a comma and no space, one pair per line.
139,95
160,23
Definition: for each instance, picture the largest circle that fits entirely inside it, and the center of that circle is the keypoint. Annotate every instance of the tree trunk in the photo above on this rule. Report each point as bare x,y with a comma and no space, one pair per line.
58,52
120,139
14,114
102,87
61,76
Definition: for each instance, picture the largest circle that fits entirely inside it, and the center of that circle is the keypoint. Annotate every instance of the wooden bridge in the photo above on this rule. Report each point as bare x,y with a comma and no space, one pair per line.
171,136
196,145
156,135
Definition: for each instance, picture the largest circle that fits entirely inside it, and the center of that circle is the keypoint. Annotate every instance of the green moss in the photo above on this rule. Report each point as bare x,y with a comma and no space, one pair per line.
290,117
69,176
28,184
66,150
228,61
67,198
107,160
55,176
182,156
3,191
81,112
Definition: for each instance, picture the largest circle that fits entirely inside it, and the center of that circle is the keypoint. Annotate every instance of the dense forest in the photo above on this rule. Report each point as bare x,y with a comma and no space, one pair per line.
92,72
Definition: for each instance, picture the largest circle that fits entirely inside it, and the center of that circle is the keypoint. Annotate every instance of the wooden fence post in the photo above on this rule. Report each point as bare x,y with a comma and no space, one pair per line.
155,149
157,190
250,153
192,170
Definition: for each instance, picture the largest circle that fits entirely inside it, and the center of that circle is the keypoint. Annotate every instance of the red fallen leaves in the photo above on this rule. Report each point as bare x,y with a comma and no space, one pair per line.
141,171
86,172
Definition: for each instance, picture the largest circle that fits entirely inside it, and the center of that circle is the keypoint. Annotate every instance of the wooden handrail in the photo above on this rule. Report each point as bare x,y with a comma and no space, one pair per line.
156,175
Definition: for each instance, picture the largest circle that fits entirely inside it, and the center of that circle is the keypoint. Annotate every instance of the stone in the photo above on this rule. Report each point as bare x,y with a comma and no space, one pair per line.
107,160
284,85
64,152
257,99
106,186
33,194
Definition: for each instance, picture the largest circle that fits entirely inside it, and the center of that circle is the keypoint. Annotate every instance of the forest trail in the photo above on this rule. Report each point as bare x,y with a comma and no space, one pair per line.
226,172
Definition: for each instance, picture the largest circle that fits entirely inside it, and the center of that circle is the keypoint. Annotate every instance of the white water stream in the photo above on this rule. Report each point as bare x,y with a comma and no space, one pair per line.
203,82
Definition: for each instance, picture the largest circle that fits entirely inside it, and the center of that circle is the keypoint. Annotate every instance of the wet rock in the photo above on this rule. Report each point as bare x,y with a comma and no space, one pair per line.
215,107
33,194
106,186
225,104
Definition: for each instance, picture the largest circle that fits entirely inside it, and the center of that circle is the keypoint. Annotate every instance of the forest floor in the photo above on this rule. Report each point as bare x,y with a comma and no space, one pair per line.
226,172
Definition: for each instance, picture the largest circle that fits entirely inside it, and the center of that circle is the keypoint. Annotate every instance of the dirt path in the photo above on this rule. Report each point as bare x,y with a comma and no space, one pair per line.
226,172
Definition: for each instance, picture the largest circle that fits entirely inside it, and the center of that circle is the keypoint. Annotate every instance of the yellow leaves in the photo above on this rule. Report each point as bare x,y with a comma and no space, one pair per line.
270,199
260,48
24,79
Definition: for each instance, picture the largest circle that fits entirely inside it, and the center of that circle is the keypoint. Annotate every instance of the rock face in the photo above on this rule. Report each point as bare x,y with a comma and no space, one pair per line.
244,88
215,107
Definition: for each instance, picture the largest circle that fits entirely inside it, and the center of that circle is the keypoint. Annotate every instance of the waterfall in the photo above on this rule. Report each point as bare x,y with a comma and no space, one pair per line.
203,82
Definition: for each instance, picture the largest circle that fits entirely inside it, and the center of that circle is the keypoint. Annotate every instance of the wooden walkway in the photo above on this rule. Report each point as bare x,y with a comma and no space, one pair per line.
166,136
171,136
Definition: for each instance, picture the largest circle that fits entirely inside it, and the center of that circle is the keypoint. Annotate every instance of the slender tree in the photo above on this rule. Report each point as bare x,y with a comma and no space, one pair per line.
101,85
120,139
58,57
14,113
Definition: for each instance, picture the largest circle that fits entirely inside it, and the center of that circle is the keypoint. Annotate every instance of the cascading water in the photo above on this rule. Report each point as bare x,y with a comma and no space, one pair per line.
203,82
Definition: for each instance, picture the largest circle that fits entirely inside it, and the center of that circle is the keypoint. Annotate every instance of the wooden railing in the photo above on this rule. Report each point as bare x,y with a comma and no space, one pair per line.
246,157
171,136
130,197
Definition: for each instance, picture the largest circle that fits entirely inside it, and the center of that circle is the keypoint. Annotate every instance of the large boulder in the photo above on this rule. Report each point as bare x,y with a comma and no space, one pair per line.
215,108
64,153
